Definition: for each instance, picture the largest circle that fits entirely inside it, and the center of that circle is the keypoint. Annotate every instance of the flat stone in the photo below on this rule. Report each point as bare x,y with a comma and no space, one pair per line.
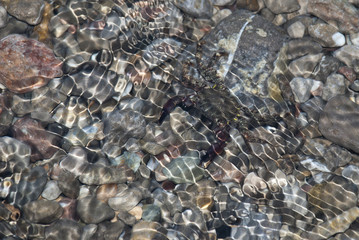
3,17
251,5
282,6
51,191
222,2
339,122
303,88
296,29
348,54
354,38
326,66
304,66
125,200
92,210
26,64
340,12
326,35
29,11
300,47
42,211
348,73
64,229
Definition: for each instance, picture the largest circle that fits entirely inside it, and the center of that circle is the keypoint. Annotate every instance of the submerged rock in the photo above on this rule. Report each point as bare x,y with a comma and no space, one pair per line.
29,11
26,64
339,122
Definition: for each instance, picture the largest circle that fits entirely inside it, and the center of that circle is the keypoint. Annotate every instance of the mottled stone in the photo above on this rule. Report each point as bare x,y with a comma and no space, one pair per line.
92,210
98,175
148,230
26,64
335,85
303,87
340,12
304,66
42,211
151,213
64,229
221,14
267,14
339,122
348,73
282,6
68,184
354,38
6,114
300,47
222,2
51,190
108,230
348,54
196,8
29,11
296,29
14,155
313,107
326,35
354,86
43,143
326,66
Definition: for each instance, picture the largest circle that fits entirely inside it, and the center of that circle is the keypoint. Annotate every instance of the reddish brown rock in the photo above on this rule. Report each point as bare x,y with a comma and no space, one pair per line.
348,72
340,12
26,64
43,144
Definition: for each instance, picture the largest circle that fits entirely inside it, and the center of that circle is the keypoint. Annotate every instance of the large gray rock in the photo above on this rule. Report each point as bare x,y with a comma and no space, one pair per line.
339,122
91,210
42,211
29,11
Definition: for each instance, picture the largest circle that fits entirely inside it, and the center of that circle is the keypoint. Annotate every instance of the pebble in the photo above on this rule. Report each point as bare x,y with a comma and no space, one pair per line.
300,47
267,14
348,54
335,85
326,66
326,35
196,8
354,38
125,200
222,2
14,155
296,29
339,12
279,7
29,11
354,86
3,17
338,120
348,72
313,108
303,88
26,64
42,211
108,230
304,66
151,213
68,184
51,190
64,229
91,210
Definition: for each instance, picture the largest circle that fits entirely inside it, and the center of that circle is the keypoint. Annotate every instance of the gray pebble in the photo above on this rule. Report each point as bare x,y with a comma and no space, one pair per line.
355,86
296,29
326,35
51,191
347,54
304,66
303,88
151,213
196,8
125,200
334,85
29,11
91,210
3,17
282,6
300,47
64,229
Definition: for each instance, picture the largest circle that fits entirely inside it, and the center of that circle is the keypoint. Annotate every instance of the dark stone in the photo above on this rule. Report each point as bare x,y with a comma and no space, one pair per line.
303,46
64,229
92,210
108,231
339,122
42,211
29,11
196,8
68,184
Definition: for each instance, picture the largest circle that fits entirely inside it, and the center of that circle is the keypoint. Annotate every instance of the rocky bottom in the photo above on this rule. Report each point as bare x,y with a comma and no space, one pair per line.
179,119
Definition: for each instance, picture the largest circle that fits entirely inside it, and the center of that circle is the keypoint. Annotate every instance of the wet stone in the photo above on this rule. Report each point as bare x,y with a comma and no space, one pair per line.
282,6
296,30
326,35
304,66
222,2
313,108
64,229
338,122
151,213
92,210
354,38
3,17
300,47
26,64
335,85
42,211
348,73
51,190
326,66
348,54
251,5
29,11
108,230
125,200
14,155
355,86
68,184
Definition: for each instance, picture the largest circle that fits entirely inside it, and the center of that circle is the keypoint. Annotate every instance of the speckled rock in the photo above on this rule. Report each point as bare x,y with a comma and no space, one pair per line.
326,66
348,54
92,210
26,64
338,122
196,8
339,12
303,88
335,85
42,211
282,6
326,35
296,29
29,11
